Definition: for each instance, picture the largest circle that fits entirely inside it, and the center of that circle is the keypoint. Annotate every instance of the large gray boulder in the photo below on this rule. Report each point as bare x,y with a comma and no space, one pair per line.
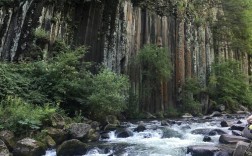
123,133
29,147
248,151
240,148
58,135
169,133
246,133
141,127
79,130
8,138
3,149
231,139
72,147
202,150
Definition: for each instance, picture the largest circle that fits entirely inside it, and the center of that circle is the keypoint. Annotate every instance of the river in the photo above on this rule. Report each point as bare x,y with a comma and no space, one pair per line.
160,140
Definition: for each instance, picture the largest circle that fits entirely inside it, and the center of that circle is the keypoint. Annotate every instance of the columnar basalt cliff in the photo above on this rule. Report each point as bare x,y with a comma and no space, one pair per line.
115,31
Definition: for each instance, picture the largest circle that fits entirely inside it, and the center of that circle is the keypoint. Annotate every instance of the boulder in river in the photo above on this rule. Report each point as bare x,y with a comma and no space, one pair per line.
169,133
207,138
238,127
236,132
231,139
240,148
164,123
140,128
217,132
72,147
28,147
123,133
224,124
202,150
58,121
79,130
4,151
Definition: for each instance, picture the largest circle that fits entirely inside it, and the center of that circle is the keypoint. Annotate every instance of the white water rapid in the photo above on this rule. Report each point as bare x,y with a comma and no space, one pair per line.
157,140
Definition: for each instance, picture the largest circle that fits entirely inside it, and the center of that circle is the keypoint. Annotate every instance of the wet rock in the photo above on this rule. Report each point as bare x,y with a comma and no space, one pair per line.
247,133
164,123
222,153
4,151
140,128
240,148
202,150
216,114
224,124
206,117
236,132
217,132
231,139
226,148
179,122
186,127
207,138
78,130
49,142
248,151
105,135
123,133
72,147
92,136
8,138
239,122
58,121
238,127
171,122
58,135
95,125
203,131
28,147
110,127
187,115
169,133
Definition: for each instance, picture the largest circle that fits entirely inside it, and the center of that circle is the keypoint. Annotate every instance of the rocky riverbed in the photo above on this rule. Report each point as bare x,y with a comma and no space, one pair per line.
214,135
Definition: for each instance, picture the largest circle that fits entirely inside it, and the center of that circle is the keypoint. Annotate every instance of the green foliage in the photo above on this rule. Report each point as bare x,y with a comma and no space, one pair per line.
172,112
189,96
20,117
41,36
155,64
229,85
109,94
234,25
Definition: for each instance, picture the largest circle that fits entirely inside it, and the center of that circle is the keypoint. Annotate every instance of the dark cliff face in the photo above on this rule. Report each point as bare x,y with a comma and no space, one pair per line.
114,31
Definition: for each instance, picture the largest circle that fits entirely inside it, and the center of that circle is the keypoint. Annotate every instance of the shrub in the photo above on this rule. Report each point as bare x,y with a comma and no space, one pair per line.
21,117
229,85
155,63
189,96
109,94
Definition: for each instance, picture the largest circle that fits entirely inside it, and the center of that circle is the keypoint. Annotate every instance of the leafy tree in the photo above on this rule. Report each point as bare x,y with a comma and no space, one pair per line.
229,85
109,94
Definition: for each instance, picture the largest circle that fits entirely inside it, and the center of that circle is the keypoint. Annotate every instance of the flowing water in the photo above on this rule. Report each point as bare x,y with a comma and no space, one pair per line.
157,140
